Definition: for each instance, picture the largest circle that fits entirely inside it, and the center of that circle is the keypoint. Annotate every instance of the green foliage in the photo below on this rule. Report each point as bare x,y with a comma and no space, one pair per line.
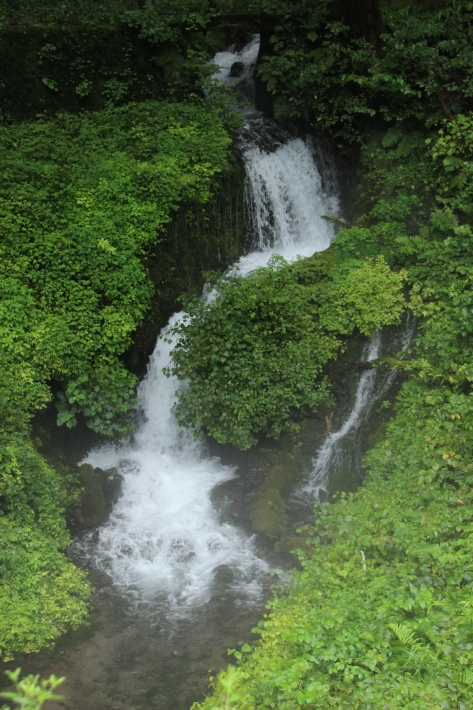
380,616
24,12
453,153
30,693
76,230
93,55
367,295
86,201
416,72
41,593
253,355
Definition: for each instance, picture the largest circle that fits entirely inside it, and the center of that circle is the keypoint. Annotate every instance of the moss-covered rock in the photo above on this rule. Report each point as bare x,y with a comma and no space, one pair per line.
267,513
289,544
94,505
277,479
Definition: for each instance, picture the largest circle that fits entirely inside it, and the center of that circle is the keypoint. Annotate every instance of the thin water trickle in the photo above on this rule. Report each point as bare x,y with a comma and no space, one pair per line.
341,451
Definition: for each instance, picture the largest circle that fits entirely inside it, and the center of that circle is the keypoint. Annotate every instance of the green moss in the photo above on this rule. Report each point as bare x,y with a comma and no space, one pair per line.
276,479
267,513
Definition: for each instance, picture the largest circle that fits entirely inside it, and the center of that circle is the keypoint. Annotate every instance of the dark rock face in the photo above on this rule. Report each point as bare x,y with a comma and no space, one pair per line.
94,506
224,574
237,69
100,489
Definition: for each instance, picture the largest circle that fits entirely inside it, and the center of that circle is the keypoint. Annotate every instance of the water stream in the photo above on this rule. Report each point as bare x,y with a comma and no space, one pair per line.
164,539
341,451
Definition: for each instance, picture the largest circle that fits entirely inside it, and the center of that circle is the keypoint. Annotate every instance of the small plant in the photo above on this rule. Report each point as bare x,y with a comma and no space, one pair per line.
30,693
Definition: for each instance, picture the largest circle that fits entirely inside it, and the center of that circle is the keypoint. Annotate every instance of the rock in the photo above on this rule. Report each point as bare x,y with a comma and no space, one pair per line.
237,69
288,544
276,479
223,574
343,481
267,514
94,506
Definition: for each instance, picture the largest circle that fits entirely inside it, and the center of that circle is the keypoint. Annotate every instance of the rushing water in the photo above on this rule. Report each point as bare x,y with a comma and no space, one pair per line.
164,539
341,450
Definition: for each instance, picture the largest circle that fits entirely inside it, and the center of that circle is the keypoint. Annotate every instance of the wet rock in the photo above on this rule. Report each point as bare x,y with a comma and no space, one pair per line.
288,546
223,574
94,506
276,479
267,514
343,481
236,509
237,69
112,484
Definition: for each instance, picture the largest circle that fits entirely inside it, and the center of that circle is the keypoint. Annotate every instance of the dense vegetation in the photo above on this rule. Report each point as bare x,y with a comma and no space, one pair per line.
381,614
414,73
85,200
83,54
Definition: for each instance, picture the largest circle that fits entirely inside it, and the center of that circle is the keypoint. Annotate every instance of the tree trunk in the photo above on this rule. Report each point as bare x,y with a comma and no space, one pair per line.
364,19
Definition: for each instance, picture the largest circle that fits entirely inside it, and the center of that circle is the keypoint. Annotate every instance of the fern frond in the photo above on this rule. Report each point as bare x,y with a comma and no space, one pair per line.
404,634
393,136
443,220
410,142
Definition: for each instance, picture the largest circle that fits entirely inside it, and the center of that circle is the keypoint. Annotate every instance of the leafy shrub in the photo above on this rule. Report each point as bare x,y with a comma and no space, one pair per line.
42,595
253,355
86,199
381,613
417,72
30,693
74,285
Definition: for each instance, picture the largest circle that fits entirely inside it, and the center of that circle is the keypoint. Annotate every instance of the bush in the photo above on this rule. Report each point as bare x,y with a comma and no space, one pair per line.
253,355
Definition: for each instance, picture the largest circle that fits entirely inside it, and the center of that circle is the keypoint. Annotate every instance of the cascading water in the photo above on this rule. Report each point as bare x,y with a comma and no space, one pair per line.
235,68
286,198
164,539
340,450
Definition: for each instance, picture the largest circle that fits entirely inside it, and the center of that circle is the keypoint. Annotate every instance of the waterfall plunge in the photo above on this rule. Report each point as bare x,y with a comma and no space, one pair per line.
164,538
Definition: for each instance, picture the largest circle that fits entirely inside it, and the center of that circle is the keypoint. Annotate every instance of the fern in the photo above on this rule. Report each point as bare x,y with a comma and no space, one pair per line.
393,136
405,635
408,143
443,220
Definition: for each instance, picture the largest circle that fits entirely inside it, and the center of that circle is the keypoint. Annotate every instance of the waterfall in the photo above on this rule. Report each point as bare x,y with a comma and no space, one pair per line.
286,196
164,538
341,450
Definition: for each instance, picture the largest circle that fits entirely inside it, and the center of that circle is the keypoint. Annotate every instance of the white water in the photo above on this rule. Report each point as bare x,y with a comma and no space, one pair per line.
285,197
340,451
164,538
246,58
